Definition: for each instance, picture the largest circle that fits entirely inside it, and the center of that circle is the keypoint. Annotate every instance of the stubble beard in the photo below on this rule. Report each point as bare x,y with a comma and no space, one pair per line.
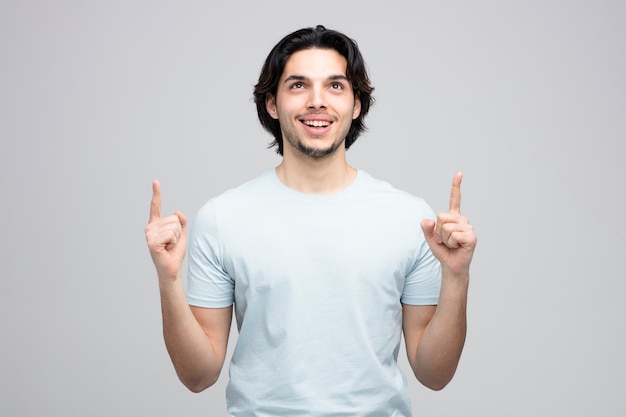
313,152
317,153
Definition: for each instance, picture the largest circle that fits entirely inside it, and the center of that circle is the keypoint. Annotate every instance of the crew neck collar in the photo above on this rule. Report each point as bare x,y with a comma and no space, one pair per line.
316,197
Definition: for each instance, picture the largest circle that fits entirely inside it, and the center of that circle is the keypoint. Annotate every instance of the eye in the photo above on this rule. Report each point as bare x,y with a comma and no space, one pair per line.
297,85
336,86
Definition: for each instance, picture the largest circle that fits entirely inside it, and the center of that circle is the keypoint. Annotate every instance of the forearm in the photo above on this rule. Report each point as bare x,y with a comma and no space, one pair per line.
439,350
194,358
197,347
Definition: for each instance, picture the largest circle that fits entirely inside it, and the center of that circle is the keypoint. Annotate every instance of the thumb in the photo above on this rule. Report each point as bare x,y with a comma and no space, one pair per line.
183,221
183,233
428,227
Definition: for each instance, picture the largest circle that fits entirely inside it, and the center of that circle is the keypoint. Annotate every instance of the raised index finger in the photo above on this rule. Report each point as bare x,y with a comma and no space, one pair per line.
455,194
155,204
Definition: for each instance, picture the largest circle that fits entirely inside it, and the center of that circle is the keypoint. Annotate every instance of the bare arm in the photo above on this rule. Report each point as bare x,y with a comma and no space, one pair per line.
196,338
435,335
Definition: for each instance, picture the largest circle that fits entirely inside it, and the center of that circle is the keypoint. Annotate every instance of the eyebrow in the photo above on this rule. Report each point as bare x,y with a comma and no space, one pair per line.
296,77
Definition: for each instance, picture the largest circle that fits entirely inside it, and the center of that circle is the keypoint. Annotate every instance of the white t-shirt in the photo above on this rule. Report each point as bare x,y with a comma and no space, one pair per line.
318,283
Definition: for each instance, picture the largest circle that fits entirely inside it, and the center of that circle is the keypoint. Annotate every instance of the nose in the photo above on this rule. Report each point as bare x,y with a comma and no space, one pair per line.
316,98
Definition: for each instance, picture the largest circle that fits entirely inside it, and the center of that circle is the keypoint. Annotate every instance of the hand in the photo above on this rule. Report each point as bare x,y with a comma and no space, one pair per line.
451,238
166,237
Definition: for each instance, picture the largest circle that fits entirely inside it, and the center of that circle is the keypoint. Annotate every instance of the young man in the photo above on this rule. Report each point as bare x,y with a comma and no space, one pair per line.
325,266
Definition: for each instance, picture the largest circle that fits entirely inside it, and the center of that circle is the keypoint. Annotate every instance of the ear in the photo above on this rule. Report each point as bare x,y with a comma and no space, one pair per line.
357,107
270,105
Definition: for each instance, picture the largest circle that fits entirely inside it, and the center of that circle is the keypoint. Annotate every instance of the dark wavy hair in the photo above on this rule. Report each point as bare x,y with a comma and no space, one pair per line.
309,38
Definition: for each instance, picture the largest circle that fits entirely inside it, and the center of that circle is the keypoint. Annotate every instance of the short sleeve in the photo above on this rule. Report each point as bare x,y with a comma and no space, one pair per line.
208,283
423,281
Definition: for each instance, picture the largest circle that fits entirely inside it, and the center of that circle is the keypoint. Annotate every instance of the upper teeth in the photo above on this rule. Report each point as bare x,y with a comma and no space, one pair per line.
316,123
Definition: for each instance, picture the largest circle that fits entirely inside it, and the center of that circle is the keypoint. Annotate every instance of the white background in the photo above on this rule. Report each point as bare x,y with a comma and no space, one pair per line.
97,98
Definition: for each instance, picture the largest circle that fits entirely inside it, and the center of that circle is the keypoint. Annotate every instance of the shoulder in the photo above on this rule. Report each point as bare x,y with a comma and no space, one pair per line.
241,199
241,194
381,192
258,185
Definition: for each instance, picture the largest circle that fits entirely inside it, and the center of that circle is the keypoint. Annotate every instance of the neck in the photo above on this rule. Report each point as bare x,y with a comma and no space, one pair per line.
327,175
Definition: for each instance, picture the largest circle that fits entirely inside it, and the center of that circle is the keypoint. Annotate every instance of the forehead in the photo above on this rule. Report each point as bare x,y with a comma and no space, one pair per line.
315,63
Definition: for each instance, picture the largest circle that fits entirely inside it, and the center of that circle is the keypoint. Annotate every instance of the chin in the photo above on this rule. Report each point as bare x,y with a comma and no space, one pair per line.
318,152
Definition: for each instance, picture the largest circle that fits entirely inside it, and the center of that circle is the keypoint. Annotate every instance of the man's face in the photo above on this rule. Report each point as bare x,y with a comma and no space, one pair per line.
314,103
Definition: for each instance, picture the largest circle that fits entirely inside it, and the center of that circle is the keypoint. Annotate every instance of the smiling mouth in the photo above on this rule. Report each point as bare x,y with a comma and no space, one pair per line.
316,123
